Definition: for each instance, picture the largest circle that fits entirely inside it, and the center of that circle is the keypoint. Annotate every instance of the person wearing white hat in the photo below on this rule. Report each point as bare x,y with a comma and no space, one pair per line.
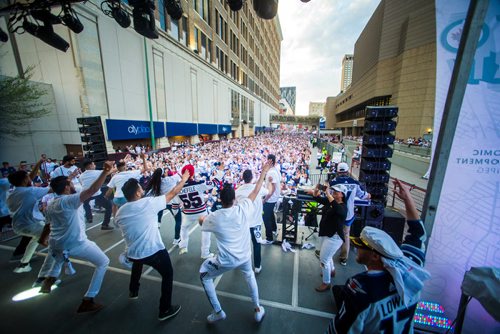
384,297
353,191
330,228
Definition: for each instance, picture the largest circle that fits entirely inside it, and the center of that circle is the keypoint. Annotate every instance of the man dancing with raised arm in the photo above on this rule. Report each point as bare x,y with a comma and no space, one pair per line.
230,227
67,235
137,220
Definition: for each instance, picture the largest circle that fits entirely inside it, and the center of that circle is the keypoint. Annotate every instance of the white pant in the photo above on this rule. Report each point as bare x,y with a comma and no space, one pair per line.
329,245
211,268
34,231
187,222
89,251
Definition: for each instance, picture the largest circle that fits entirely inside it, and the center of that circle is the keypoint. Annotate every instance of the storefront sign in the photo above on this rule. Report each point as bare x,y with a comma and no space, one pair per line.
120,129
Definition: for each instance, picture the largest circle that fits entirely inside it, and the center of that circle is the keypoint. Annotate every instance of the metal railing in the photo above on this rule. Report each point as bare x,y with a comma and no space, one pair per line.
413,149
417,193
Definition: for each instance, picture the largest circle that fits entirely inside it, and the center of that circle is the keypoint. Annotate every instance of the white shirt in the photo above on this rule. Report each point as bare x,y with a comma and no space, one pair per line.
231,229
67,226
168,183
138,222
118,180
242,192
276,180
88,177
63,171
21,202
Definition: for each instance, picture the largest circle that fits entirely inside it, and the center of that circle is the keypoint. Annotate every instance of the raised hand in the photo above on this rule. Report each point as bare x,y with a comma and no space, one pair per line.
108,167
185,176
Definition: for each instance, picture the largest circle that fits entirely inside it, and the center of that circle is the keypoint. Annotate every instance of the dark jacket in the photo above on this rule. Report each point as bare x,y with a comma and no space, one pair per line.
333,218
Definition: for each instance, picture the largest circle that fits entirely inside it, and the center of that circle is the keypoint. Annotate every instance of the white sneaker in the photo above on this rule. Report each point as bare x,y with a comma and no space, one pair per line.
266,242
257,270
214,317
260,314
23,269
207,256
123,259
176,242
183,250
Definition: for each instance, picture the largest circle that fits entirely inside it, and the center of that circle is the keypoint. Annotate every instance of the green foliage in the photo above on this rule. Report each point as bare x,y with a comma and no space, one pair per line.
21,101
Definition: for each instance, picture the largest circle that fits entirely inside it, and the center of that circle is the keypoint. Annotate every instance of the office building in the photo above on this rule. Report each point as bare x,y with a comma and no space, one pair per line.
394,64
346,78
211,74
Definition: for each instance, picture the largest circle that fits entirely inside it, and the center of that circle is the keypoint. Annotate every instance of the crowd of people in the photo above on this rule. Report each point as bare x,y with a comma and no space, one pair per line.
211,184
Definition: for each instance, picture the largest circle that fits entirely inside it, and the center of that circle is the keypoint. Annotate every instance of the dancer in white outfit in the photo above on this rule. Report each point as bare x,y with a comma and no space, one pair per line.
67,235
230,227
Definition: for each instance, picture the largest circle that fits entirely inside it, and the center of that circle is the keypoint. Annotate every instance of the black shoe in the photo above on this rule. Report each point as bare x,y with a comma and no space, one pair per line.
88,305
170,313
133,294
107,228
89,221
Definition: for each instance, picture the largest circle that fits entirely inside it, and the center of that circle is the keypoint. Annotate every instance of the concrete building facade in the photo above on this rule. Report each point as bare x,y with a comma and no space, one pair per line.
394,64
290,95
213,73
346,79
317,109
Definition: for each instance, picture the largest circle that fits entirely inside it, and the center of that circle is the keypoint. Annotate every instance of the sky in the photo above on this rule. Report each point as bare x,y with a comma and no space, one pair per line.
316,36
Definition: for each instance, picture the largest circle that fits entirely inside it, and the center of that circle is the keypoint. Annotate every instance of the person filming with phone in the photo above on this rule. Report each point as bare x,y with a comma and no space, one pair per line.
330,227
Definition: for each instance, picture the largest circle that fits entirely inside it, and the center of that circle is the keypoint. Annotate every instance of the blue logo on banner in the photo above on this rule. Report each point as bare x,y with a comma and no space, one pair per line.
322,123
485,67
138,129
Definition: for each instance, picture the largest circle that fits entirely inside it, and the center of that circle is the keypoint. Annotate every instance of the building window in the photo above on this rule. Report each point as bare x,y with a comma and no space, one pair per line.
203,45
244,108
203,9
220,26
235,108
251,112
163,17
174,29
183,37
221,60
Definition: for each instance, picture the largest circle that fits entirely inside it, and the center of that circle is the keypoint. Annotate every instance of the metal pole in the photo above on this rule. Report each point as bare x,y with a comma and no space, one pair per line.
458,83
151,123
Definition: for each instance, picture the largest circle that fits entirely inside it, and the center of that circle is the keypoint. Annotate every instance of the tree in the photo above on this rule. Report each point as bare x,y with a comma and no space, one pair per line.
21,101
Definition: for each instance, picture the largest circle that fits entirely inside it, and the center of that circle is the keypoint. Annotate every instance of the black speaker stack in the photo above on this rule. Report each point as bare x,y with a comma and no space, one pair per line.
374,172
93,142
375,164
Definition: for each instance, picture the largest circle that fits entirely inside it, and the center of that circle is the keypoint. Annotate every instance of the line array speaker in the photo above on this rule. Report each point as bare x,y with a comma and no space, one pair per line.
375,164
92,136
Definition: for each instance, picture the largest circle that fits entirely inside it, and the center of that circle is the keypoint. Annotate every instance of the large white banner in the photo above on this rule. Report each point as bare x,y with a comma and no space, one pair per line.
467,225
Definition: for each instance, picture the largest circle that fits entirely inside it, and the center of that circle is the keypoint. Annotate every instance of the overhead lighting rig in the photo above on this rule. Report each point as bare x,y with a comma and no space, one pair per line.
144,17
70,19
174,9
113,8
37,19
45,32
